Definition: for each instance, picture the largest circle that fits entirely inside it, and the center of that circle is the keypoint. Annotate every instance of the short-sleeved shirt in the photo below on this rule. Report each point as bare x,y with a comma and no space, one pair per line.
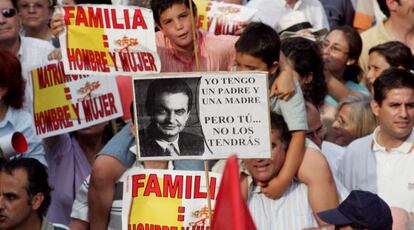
216,53
292,110
19,120
68,168
366,165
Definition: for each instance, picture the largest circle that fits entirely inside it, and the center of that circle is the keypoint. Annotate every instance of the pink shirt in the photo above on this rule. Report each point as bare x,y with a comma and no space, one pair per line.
216,53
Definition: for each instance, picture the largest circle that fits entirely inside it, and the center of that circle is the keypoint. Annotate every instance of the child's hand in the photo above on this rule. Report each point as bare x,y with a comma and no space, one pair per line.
271,189
55,55
284,86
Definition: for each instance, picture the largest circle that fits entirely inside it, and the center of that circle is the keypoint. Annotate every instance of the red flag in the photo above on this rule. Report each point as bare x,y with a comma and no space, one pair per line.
231,211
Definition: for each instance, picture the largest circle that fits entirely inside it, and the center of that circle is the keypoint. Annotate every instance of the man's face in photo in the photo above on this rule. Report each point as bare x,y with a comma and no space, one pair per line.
170,114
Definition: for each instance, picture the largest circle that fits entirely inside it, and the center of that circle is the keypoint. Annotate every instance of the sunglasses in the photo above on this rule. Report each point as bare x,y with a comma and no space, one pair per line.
8,12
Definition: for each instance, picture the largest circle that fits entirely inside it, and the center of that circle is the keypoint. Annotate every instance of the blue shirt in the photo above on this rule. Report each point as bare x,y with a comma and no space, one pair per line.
351,85
18,120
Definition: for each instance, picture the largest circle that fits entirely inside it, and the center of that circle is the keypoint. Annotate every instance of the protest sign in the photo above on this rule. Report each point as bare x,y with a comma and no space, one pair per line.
202,115
222,18
64,103
107,40
167,199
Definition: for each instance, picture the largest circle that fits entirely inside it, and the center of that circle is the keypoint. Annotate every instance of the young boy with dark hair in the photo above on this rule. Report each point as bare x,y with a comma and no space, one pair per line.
258,48
175,43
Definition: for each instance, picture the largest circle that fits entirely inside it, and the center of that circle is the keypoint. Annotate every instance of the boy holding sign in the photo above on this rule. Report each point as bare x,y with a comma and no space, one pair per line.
258,48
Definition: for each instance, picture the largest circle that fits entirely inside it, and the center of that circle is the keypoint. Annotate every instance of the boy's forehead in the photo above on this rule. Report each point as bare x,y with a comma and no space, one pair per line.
241,55
175,8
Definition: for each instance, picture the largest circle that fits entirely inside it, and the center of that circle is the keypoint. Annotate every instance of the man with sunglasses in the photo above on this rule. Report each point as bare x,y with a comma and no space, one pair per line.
30,51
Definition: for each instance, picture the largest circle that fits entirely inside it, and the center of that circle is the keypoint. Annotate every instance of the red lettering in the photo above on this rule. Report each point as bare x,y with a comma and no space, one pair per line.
197,192
95,18
138,20
200,21
152,186
172,187
126,16
115,23
76,110
188,187
145,60
112,106
112,55
53,119
42,78
69,14
136,184
213,188
151,61
81,17
107,21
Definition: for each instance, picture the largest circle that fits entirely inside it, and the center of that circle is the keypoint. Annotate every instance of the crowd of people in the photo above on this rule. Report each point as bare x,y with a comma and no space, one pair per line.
341,110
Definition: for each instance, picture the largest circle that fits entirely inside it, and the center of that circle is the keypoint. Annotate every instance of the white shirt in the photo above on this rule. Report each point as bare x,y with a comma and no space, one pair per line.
165,144
32,53
271,11
333,154
395,173
292,211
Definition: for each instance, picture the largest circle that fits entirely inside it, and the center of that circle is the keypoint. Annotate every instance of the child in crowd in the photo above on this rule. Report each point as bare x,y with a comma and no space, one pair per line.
258,48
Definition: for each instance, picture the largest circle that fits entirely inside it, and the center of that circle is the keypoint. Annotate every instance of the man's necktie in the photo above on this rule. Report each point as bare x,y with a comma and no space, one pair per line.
171,150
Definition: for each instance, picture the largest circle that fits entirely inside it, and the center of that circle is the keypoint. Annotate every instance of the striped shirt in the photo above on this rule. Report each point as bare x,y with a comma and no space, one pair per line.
292,211
215,53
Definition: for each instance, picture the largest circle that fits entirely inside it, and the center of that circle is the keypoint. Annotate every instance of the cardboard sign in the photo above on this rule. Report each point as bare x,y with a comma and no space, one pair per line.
222,18
64,103
202,115
107,40
167,199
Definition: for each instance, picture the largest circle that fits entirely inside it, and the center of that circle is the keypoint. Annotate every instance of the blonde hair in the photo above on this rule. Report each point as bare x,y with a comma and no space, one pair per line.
363,121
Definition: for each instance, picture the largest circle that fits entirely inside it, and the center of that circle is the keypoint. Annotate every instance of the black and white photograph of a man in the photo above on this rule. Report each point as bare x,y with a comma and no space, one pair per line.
168,104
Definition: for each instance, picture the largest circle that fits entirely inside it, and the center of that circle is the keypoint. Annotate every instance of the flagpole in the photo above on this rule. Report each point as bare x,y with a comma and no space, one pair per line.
195,46
197,66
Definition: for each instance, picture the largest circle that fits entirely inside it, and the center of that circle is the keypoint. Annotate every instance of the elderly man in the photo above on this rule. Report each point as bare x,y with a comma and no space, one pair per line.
35,16
383,162
24,195
30,51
